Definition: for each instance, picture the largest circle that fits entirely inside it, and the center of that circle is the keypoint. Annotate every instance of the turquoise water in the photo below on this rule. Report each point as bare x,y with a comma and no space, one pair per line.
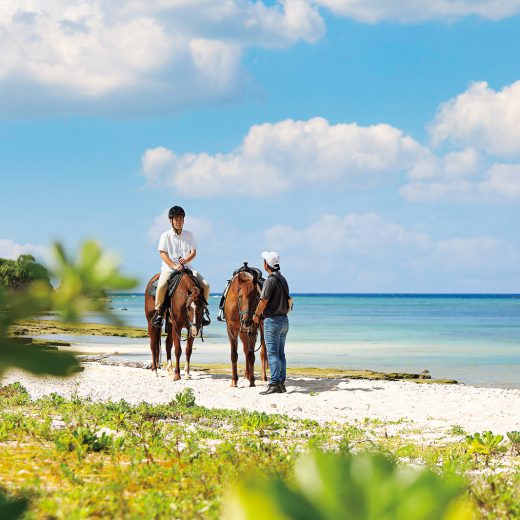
472,338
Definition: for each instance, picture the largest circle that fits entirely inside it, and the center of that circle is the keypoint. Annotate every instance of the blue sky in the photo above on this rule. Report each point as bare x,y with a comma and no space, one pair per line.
373,144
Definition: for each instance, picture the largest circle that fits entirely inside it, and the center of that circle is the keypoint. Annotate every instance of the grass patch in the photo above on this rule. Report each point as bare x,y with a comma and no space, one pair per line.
77,458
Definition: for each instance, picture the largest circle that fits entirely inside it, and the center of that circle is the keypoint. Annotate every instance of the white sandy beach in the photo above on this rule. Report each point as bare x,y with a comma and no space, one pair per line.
425,405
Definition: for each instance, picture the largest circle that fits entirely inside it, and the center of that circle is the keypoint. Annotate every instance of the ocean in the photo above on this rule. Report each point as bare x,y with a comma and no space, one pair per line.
472,338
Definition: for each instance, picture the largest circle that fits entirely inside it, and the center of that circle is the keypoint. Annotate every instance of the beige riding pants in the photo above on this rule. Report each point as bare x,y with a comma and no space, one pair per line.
162,286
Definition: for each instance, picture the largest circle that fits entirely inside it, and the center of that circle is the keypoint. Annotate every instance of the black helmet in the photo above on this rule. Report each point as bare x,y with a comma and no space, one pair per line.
176,210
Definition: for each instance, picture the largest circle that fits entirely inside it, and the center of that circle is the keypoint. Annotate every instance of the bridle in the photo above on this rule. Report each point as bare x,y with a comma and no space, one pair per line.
197,325
247,325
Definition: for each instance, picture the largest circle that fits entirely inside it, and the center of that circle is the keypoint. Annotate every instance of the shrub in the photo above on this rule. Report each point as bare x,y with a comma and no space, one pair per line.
186,398
514,437
353,487
484,444
14,394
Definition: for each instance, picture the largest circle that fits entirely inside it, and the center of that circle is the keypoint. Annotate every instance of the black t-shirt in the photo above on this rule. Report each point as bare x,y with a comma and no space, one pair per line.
273,292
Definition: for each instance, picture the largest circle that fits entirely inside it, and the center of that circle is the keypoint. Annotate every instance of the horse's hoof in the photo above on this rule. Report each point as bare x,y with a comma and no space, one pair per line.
187,376
251,384
177,377
233,384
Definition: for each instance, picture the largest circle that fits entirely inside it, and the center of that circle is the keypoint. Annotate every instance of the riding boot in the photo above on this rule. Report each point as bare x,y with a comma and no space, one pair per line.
158,319
206,320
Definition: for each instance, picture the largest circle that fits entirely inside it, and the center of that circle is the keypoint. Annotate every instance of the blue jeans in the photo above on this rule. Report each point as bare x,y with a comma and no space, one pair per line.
275,331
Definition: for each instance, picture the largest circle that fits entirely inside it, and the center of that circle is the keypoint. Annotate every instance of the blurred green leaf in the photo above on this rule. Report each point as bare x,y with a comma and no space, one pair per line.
12,509
83,286
354,487
40,362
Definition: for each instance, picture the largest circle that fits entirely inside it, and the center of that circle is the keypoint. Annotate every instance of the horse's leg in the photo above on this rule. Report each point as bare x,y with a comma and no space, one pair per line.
233,342
169,344
249,355
155,337
189,348
178,351
263,353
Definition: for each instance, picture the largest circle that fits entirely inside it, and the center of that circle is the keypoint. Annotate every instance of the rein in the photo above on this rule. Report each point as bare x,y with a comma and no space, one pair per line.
252,328
190,323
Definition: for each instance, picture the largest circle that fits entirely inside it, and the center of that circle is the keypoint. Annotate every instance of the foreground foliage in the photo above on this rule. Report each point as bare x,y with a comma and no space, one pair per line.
365,486
82,280
73,458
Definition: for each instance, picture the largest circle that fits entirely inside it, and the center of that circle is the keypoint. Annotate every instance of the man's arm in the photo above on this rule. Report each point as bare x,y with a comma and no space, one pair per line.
168,261
260,308
189,257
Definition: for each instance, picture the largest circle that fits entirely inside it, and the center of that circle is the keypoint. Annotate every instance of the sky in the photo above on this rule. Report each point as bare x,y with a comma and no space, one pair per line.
375,145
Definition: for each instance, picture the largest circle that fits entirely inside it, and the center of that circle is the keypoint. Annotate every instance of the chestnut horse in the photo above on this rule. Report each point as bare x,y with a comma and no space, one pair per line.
185,311
241,301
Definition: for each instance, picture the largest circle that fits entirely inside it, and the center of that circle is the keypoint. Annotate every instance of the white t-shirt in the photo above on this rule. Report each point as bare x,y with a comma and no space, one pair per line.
176,246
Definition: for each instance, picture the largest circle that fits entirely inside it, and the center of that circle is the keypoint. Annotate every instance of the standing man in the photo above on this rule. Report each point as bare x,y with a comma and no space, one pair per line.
273,307
177,248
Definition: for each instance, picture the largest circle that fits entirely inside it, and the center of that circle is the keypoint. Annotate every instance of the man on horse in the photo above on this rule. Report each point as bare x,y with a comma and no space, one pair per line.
177,248
273,307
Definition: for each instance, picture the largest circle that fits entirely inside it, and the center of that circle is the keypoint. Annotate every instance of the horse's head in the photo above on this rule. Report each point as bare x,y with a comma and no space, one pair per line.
248,297
195,310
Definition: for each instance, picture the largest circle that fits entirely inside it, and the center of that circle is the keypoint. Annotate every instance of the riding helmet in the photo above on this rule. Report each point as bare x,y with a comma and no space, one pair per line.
176,210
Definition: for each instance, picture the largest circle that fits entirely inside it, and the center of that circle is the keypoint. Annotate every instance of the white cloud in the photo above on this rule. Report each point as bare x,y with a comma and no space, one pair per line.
482,118
365,252
498,182
137,56
359,234
12,250
287,155
407,11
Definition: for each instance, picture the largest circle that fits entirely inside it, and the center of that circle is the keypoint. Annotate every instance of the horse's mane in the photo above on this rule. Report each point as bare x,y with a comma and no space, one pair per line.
244,276
192,286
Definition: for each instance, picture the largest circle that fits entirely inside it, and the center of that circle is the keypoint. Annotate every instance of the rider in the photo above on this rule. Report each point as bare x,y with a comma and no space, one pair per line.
177,248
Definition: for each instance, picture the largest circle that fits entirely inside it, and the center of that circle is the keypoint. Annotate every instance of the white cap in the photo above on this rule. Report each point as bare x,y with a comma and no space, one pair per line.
271,257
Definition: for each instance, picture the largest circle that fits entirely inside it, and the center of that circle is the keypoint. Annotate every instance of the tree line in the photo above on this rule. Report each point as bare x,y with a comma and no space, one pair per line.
17,274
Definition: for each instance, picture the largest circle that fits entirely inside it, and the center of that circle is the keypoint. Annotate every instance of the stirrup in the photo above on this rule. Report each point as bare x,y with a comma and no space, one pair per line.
220,315
158,320
206,320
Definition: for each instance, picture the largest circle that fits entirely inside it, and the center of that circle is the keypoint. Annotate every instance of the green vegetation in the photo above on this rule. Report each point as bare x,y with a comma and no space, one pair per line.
35,327
16,274
25,291
81,279
334,373
367,486
485,444
74,458
514,437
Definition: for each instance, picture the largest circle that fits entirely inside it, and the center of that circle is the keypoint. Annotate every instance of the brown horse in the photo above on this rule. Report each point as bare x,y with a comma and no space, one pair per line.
185,311
241,301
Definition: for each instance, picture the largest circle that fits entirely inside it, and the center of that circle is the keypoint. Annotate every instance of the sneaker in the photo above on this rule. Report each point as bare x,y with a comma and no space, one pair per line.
157,320
282,386
274,388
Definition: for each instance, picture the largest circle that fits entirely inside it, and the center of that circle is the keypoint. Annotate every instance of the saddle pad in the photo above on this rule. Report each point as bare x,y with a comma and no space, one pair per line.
173,282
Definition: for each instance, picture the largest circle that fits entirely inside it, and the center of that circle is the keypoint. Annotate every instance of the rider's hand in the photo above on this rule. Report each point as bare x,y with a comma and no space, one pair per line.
177,267
256,318
182,261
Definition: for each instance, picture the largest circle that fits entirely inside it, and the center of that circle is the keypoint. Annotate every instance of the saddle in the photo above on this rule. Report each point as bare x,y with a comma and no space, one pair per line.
257,275
173,283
